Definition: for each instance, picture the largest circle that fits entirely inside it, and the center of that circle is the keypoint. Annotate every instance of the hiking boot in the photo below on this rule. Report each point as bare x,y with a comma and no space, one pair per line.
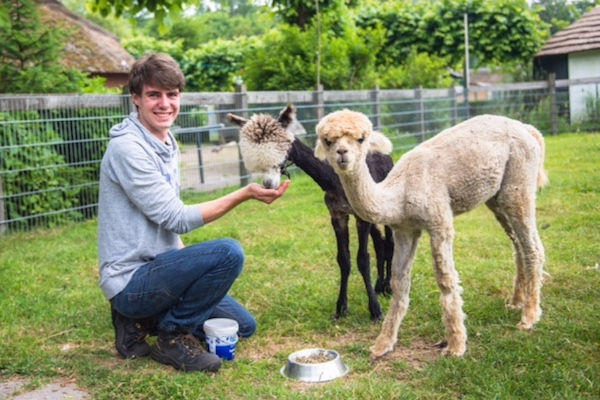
184,352
130,335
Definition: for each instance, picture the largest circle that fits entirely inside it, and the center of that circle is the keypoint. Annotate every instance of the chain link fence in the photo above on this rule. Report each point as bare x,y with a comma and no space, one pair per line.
51,145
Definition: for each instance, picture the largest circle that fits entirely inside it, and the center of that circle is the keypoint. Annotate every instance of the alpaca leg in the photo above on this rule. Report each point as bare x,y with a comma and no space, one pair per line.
340,227
527,235
379,246
448,282
389,253
405,245
518,297
363,261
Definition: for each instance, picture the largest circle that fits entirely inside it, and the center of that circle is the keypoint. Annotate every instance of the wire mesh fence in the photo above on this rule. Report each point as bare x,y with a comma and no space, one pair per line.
51,146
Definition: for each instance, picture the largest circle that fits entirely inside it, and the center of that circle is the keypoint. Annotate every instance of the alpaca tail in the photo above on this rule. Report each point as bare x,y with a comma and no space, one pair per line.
542,178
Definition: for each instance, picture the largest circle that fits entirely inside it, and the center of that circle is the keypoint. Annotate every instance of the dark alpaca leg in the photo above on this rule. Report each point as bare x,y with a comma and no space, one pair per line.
379,246
389,253
363,228
340,227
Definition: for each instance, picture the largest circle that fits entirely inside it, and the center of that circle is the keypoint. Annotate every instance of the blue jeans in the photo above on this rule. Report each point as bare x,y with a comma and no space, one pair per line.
183,288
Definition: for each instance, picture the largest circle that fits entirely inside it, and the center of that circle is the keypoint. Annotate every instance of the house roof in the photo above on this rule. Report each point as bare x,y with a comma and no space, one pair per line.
581,35
88,47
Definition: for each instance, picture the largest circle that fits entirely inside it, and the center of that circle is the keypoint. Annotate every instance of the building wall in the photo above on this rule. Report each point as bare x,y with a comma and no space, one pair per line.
584,64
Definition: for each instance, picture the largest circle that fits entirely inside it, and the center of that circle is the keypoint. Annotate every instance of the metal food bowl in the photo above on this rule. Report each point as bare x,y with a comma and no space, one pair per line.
314,365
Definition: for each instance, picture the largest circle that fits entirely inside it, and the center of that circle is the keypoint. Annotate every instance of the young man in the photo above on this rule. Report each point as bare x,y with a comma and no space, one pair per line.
154,282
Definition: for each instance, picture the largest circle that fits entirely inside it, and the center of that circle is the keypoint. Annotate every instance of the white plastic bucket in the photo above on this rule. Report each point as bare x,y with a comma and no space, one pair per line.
221,337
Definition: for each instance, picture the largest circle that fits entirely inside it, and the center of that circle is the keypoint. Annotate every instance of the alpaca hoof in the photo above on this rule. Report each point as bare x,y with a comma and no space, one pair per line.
524,326
377,317
388,290
455,351
339,315
340,312
383,288
380,349
529,318
447,352
376,313
515,304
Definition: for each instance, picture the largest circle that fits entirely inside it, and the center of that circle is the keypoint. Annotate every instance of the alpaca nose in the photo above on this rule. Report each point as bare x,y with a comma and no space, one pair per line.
341,151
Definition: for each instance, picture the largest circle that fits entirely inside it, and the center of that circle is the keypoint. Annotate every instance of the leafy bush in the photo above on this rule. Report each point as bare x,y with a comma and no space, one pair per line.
214,66
36,180
419,69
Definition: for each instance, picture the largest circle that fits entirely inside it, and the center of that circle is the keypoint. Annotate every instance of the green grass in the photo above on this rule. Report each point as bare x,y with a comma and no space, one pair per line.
54,322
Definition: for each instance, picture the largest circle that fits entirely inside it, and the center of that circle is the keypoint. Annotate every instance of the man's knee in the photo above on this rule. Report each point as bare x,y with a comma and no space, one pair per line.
247,328
234,251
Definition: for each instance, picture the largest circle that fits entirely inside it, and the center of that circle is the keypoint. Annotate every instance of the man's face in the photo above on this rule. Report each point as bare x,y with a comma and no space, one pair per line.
157,109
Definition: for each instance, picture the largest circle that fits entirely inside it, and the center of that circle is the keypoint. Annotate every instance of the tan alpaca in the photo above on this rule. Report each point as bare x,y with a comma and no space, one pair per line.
487,159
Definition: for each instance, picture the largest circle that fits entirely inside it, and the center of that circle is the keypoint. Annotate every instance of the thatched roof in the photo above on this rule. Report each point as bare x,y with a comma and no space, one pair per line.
88,47
582,35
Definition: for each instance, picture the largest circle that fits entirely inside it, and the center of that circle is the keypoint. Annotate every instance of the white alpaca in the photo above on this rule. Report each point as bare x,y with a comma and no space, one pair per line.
487,159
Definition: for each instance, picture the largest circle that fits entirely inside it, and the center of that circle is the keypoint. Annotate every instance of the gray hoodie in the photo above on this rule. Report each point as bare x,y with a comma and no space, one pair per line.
139,211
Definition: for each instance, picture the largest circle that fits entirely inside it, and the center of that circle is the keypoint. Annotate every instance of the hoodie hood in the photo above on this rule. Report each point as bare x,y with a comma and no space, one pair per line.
132,126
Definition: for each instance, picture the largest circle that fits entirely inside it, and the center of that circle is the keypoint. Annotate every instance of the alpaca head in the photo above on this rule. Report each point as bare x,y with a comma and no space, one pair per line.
345,138
265,142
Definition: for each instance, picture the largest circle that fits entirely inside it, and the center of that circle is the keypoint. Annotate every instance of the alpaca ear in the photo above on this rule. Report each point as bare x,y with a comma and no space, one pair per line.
287,115
380,143
320,152
236,119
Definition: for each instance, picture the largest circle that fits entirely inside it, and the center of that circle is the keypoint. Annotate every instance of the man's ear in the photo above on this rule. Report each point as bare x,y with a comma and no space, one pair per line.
320,151
236,119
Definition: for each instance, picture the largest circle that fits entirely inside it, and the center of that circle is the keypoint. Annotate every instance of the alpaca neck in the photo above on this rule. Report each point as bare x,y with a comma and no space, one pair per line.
365,195
321,172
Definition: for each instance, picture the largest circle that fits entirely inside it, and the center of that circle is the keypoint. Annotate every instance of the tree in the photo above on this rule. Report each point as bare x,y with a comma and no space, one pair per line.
197,30
285,58
301,12
501,33
559,13
160,8
30,52
215,66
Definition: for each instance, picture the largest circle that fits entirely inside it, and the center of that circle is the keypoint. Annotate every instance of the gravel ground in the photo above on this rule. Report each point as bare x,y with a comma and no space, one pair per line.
13,389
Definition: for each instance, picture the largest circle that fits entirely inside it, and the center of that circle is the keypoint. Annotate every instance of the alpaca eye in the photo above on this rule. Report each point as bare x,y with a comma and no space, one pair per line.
361,139
327,142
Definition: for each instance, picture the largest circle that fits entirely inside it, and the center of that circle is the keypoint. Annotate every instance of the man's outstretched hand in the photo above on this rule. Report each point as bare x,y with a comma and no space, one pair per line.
258,192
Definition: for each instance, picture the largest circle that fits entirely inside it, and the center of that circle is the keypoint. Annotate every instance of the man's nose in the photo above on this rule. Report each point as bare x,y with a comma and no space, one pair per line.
164,100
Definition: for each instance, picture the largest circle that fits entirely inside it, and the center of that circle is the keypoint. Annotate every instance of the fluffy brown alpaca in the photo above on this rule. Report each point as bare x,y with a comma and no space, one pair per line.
487,159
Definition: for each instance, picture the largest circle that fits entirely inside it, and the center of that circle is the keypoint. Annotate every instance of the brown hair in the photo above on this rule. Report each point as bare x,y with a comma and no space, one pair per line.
156,69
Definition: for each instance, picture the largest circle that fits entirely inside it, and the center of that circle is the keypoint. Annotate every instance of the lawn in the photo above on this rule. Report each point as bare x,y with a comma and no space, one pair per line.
55,324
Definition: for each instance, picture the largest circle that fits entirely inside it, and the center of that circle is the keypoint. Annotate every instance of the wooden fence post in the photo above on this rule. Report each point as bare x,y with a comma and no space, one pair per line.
376,107
553,104
241,104
319,100
127,101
